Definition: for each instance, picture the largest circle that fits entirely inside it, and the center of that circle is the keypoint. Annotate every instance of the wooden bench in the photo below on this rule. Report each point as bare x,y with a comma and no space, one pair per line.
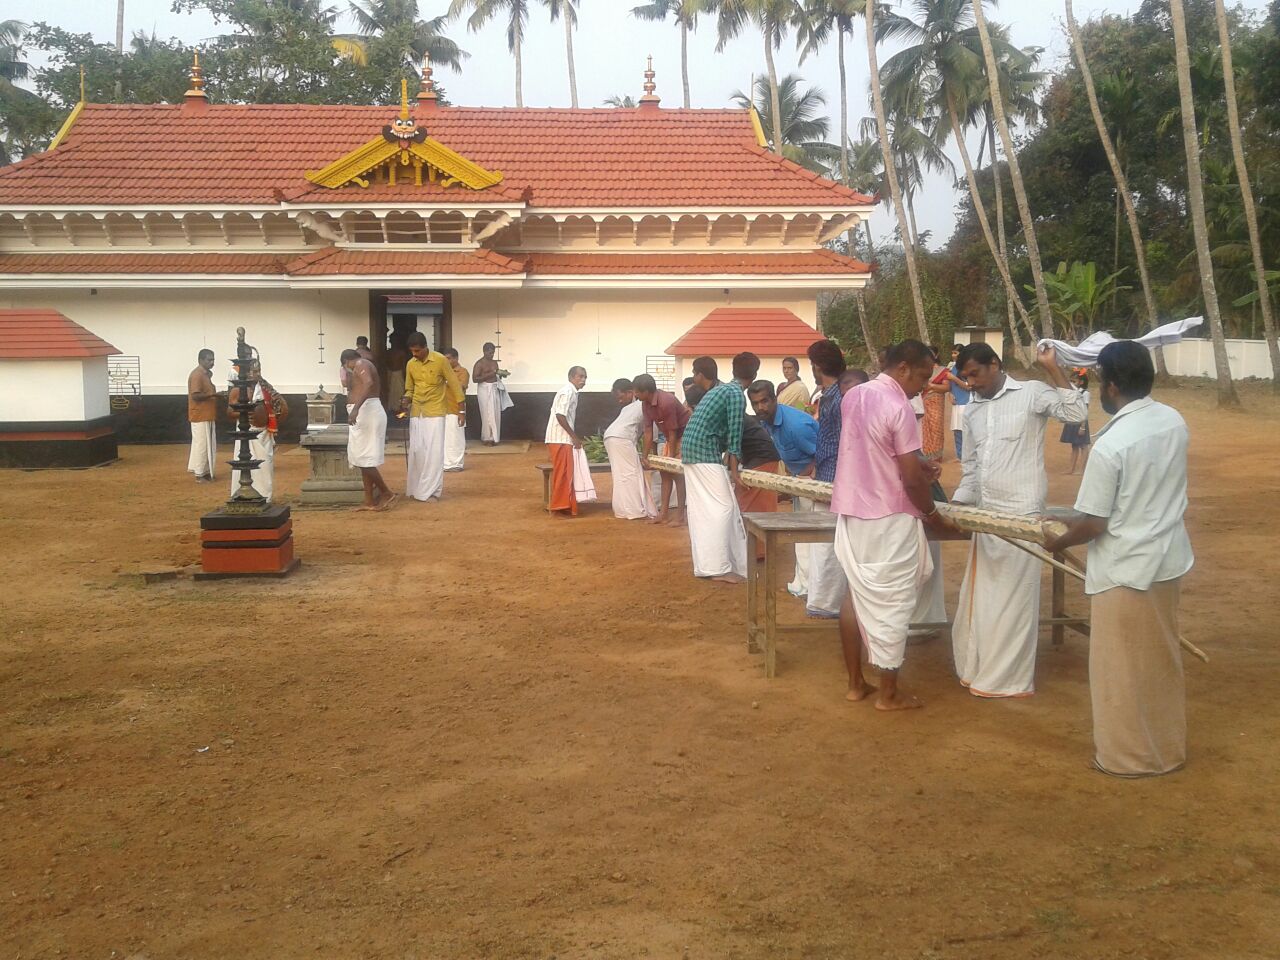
546,479
779,530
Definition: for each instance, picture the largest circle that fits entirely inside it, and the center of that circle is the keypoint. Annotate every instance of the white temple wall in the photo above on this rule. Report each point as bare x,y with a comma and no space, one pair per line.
97,403
167,328
610,332
44,391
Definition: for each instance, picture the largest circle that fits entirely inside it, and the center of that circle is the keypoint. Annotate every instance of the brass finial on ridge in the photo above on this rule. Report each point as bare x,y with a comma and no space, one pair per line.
197,79
650,98
427,89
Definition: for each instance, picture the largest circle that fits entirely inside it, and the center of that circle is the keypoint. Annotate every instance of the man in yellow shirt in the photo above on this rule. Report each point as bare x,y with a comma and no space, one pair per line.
429,385
455,424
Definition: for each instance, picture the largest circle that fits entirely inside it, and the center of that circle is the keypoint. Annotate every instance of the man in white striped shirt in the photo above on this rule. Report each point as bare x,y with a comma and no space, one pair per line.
998,615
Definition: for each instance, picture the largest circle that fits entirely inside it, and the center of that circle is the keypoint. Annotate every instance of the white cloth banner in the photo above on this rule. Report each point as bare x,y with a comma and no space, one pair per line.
425,480
1085,353
204,449
631,499
583,487
717,538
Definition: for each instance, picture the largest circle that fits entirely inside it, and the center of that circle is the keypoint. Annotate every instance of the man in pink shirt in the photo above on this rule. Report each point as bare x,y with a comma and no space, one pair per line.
881,494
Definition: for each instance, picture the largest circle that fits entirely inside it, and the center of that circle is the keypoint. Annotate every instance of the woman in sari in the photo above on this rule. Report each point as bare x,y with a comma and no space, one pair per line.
792,392
935,393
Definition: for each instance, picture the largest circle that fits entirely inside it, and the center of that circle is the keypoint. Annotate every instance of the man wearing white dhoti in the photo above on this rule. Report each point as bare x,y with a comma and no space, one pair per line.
717,538
429,386
826,586
997,618
366,429
265,417
631,497
488,396
1130,509
455,421
202,413
881,493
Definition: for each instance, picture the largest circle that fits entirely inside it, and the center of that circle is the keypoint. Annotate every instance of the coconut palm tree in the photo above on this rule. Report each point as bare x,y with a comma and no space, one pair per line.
1246,193
1195,201
685,13
1117,171
944,63
773,18
12,66
891,175
803,125
377,18
1015,170
516,14
627,101
567,10
818,20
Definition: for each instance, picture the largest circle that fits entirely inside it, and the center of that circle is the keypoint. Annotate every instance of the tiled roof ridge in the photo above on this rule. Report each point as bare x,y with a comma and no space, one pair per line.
308,259
26,163
501,259
56,336
792,167
845,261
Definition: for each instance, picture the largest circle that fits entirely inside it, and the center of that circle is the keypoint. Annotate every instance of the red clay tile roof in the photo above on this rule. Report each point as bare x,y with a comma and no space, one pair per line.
129,263
731,264
121,154
765,331
347,262
30,334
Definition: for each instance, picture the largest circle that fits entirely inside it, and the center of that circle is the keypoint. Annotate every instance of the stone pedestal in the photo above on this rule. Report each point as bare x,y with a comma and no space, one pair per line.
246,545
333,480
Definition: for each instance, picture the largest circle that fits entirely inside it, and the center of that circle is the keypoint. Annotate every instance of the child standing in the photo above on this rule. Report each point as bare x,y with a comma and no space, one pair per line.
1077,434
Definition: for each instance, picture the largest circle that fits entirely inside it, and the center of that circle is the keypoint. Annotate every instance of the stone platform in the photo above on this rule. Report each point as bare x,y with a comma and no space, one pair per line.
332,481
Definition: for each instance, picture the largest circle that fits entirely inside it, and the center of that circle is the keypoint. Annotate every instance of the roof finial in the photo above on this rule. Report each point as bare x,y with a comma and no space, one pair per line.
196,94
650,98
427,89
404,99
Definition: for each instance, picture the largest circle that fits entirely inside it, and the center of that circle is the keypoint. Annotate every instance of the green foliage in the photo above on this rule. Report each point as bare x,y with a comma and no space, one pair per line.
1077,296
593,447
804,126
151,70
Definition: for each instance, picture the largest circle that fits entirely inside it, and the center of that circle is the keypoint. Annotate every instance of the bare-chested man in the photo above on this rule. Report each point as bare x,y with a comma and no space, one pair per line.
489,396
202,412
367,436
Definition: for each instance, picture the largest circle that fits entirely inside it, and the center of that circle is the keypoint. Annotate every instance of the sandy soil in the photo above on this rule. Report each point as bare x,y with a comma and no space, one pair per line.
465,730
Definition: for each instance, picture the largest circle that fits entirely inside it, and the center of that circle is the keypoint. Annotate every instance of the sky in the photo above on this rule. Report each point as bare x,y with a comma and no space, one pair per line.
610,49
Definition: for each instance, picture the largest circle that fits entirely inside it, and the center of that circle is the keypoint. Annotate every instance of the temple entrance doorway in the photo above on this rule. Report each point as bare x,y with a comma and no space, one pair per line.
393,315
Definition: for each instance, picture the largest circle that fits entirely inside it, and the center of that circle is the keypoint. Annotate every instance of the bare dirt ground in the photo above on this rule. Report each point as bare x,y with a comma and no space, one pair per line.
465,730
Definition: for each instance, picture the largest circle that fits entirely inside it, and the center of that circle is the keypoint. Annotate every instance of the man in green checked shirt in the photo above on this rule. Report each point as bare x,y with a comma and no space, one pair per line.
716,536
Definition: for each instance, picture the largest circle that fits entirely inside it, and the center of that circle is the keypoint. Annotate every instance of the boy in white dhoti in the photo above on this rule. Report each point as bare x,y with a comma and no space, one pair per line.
265,417
998,616
202,413
717,538
881,492
631,497
488,396
455,421
367,429
429,386
1130,509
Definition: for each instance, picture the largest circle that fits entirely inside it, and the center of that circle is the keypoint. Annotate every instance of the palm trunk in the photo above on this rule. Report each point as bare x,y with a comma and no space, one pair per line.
1122,182
895,189
519,73
684,61
568,49
872,351
1015,170
1246,194
911,216
844,127
775,106
1195,197
997,253
871,247
998,184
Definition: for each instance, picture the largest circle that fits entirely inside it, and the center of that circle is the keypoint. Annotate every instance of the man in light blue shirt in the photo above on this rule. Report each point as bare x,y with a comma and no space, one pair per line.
1130,509
794,432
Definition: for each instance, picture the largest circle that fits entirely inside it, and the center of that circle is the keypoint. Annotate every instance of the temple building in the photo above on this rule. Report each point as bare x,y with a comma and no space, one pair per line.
599,237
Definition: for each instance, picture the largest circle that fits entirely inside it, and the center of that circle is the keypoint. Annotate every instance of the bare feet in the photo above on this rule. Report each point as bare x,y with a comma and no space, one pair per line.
676,521
365,506
729,578
897,700
860,692
660,518
388,503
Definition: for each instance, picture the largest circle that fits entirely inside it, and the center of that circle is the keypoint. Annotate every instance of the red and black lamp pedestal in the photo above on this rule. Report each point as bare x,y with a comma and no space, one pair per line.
248,537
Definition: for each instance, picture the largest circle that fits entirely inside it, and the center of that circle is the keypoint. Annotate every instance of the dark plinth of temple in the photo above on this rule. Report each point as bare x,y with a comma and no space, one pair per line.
246,545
